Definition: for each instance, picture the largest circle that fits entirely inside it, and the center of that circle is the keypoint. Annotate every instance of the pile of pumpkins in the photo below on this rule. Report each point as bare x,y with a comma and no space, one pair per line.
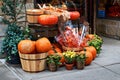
43,45
32,47
50,19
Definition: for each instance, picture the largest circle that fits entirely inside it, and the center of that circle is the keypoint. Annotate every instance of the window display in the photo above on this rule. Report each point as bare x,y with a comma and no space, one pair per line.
108,9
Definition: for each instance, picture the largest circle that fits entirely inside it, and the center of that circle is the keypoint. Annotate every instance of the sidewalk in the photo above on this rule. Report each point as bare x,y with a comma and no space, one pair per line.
105,67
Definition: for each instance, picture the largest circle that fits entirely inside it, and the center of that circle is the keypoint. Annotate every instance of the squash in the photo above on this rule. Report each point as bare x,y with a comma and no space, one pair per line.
74,15
89,57
26,46
43,45
47,20
92,50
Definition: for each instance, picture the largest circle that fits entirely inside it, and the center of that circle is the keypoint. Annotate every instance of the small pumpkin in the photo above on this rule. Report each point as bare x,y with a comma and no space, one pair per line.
92,50
43,45
47,19
89,57
26,46
57,50
89,36
74,15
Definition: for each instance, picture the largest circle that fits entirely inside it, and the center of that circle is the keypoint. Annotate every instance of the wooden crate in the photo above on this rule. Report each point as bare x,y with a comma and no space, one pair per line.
38,31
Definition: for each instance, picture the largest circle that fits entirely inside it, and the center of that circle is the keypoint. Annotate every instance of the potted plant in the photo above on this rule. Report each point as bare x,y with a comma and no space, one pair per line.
15,32
80,60
69,57
53,62
9,46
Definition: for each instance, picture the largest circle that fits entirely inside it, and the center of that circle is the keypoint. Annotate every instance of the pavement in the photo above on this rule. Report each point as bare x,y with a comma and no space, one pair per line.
105,67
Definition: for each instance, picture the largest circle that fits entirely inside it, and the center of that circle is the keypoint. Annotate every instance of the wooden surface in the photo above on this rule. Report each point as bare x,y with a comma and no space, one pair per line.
33,62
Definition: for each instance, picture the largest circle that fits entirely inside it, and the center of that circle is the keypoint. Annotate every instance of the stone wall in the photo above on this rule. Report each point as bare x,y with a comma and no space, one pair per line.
109,28
3,27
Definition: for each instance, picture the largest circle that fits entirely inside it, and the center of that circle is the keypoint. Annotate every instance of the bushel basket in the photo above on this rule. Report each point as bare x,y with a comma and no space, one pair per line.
33,62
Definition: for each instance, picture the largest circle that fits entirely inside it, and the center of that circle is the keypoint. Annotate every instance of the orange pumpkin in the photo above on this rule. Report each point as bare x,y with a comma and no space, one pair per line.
89,58
26,46
89,36
74,15
47,19
92,50
54,50
43,45
57,50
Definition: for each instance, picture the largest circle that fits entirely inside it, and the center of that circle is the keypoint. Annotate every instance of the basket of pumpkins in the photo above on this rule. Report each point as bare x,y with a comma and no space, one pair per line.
33,54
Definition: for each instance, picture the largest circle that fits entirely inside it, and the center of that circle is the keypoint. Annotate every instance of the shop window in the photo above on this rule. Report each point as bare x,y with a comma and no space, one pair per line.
108,9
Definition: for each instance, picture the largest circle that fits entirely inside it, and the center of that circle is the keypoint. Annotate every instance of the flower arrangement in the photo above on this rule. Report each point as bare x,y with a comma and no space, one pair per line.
54,59
80,57
53,62
69,56
80,60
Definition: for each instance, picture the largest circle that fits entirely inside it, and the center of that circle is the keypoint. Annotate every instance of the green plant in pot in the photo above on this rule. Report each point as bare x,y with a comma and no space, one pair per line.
15,32
53,62
69,57
80,60
9,47
97,42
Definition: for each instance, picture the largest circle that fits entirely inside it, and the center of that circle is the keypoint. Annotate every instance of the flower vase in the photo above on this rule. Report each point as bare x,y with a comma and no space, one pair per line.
69,66
80,65
52,67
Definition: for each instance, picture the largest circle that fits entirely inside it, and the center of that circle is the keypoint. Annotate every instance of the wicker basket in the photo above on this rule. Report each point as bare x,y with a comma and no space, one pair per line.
32,15
33,62
71,49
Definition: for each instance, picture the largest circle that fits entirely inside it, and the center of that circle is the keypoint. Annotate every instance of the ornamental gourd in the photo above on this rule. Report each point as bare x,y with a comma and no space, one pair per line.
89,57
26,46
74,15
43,45
47,20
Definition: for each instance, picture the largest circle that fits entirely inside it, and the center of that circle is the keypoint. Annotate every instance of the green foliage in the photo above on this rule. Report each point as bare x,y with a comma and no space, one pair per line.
96,42
81,57
11,10
13,35
54,59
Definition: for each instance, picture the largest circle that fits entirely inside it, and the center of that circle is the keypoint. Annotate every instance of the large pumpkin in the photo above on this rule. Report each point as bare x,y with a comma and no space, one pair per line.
58,51
26,46
43,45
47,19
74,15
89,58
92,50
